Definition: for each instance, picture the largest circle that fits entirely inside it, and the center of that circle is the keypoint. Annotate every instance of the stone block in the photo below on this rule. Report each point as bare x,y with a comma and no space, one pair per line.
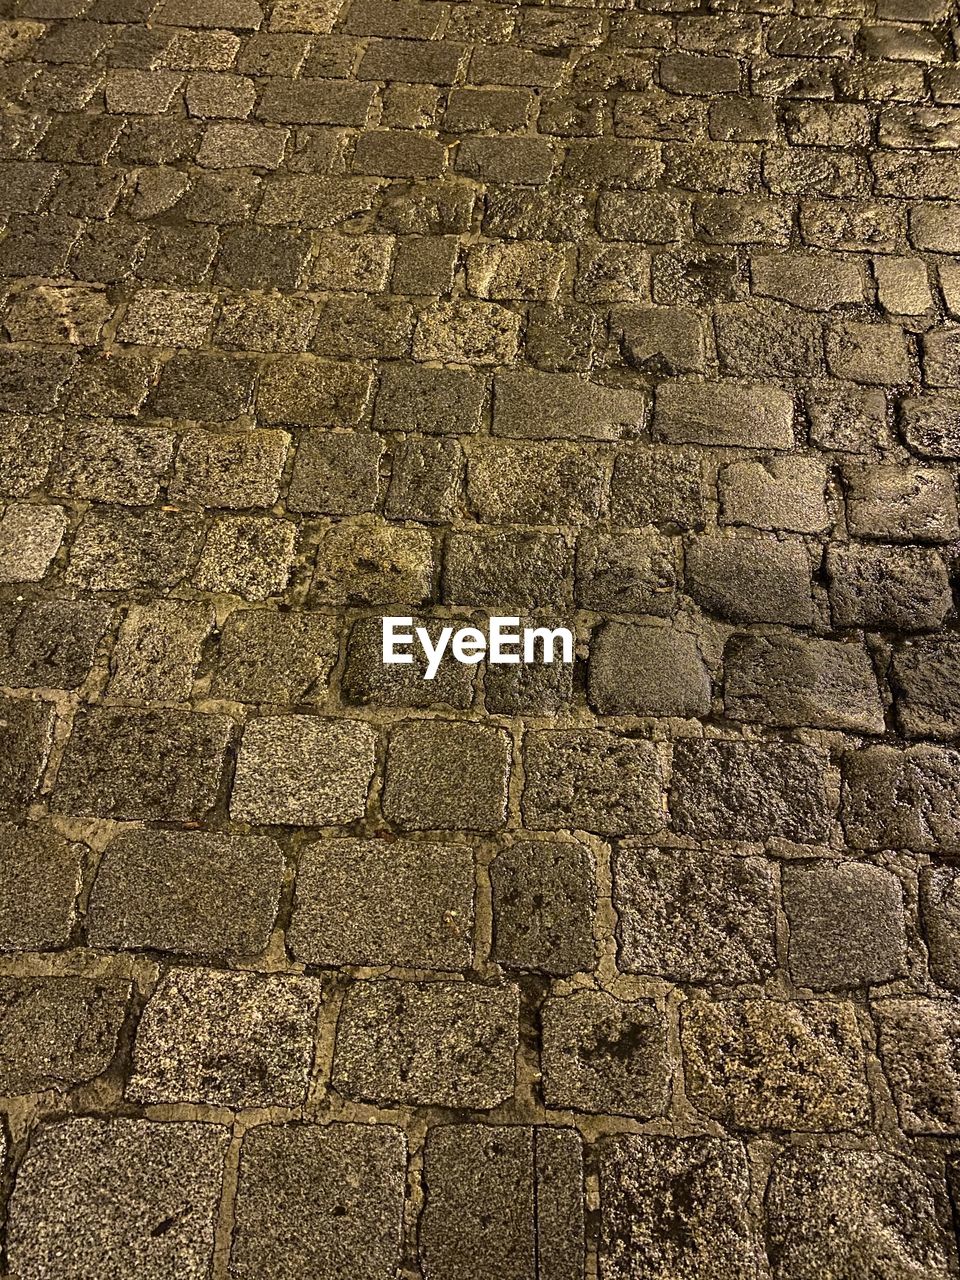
647,670
57,1032
627,573
902,799
544,902
689,916
535,482
602,1054
900,588
373,902
167,317
725,413
502,1201
40,876
241,469
226,1039
312,1198
918,1039
435,401
115,549
803,278
925,676
516,270
940,913
26,735
247,556
311,393
776,1064
188,892
794,680
658,485
536,405
868,353
368,681
727,790
425,480
930,424
303,770
902,504
846,418
30,537
667,1205
140,1194
751,578
782,494
373,563
274,657
513,570
467,333
336,473
449,775
446,1044
147,765
159,649
591,780
50,644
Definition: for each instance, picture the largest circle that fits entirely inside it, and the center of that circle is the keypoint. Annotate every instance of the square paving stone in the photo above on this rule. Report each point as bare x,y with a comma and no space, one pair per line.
40,876
56,1032
368,681
691,916
152,765
851,1214
303,770
240,469
897,799
226,1039
605,1055
118,1197
503,1202
190,892
847,926
319,1201
50,643
268,656
592,780
159,649
444,774
26,732
544,902
776,1064
247,556
441,1044
675,1207
925,676
373,902
647,670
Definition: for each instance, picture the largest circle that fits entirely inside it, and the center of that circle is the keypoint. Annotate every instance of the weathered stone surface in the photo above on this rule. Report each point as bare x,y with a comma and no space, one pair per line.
314,1197
940,912
40,875
694,917
785,493
116,549
447,774
900,588
246,556
50,643
667,1206
797,680
591,780
303,770
535,483
370,902
847,925
30,537
504,1201
26,734
544,901
448,1044
57,1032
902,504
662,486
142,764
751,578
724,413
627,573
374,563
274,657
103,1194
519,570
647,670
918,1040
158,650
604,1054
776,1064
188,892
901,799
228,1039
536,405
725,790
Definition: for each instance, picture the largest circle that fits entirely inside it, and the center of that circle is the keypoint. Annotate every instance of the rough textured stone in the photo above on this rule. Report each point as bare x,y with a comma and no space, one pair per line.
918,1039
314,1197
370,902
247,556
544,901
502,1201
447,774
514,570
592,780
448,1044
374,563
786,493
101,1195
846,925
647,670
535,483
188,892
228,1039
724,413
901,799
40,875
303,770
30,537
366,680
751,578
158,650
57,1032
50,643
142,764
855,1213
724,790
673,1207
899,504
694,917
275,657
940,910
901,588
26,732
627,573
776,1064
604,1054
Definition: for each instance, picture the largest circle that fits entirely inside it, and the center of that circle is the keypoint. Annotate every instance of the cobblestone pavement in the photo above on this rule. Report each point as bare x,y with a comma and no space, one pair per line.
640,318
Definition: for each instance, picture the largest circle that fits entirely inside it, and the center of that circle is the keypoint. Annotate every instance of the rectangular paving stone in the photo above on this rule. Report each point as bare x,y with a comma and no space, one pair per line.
367,681
724,413
652,1226
446,1044
26,735
315,1199
152,765
303,770
535,483
50,643
101,1194
504,1201
188,892
535,405
692,916
544,901
57,1032
374,902
918,1040
901,799
268,656
226,1039
447,774
40,877
592,780
776,1064
158,649
507,571
116,549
